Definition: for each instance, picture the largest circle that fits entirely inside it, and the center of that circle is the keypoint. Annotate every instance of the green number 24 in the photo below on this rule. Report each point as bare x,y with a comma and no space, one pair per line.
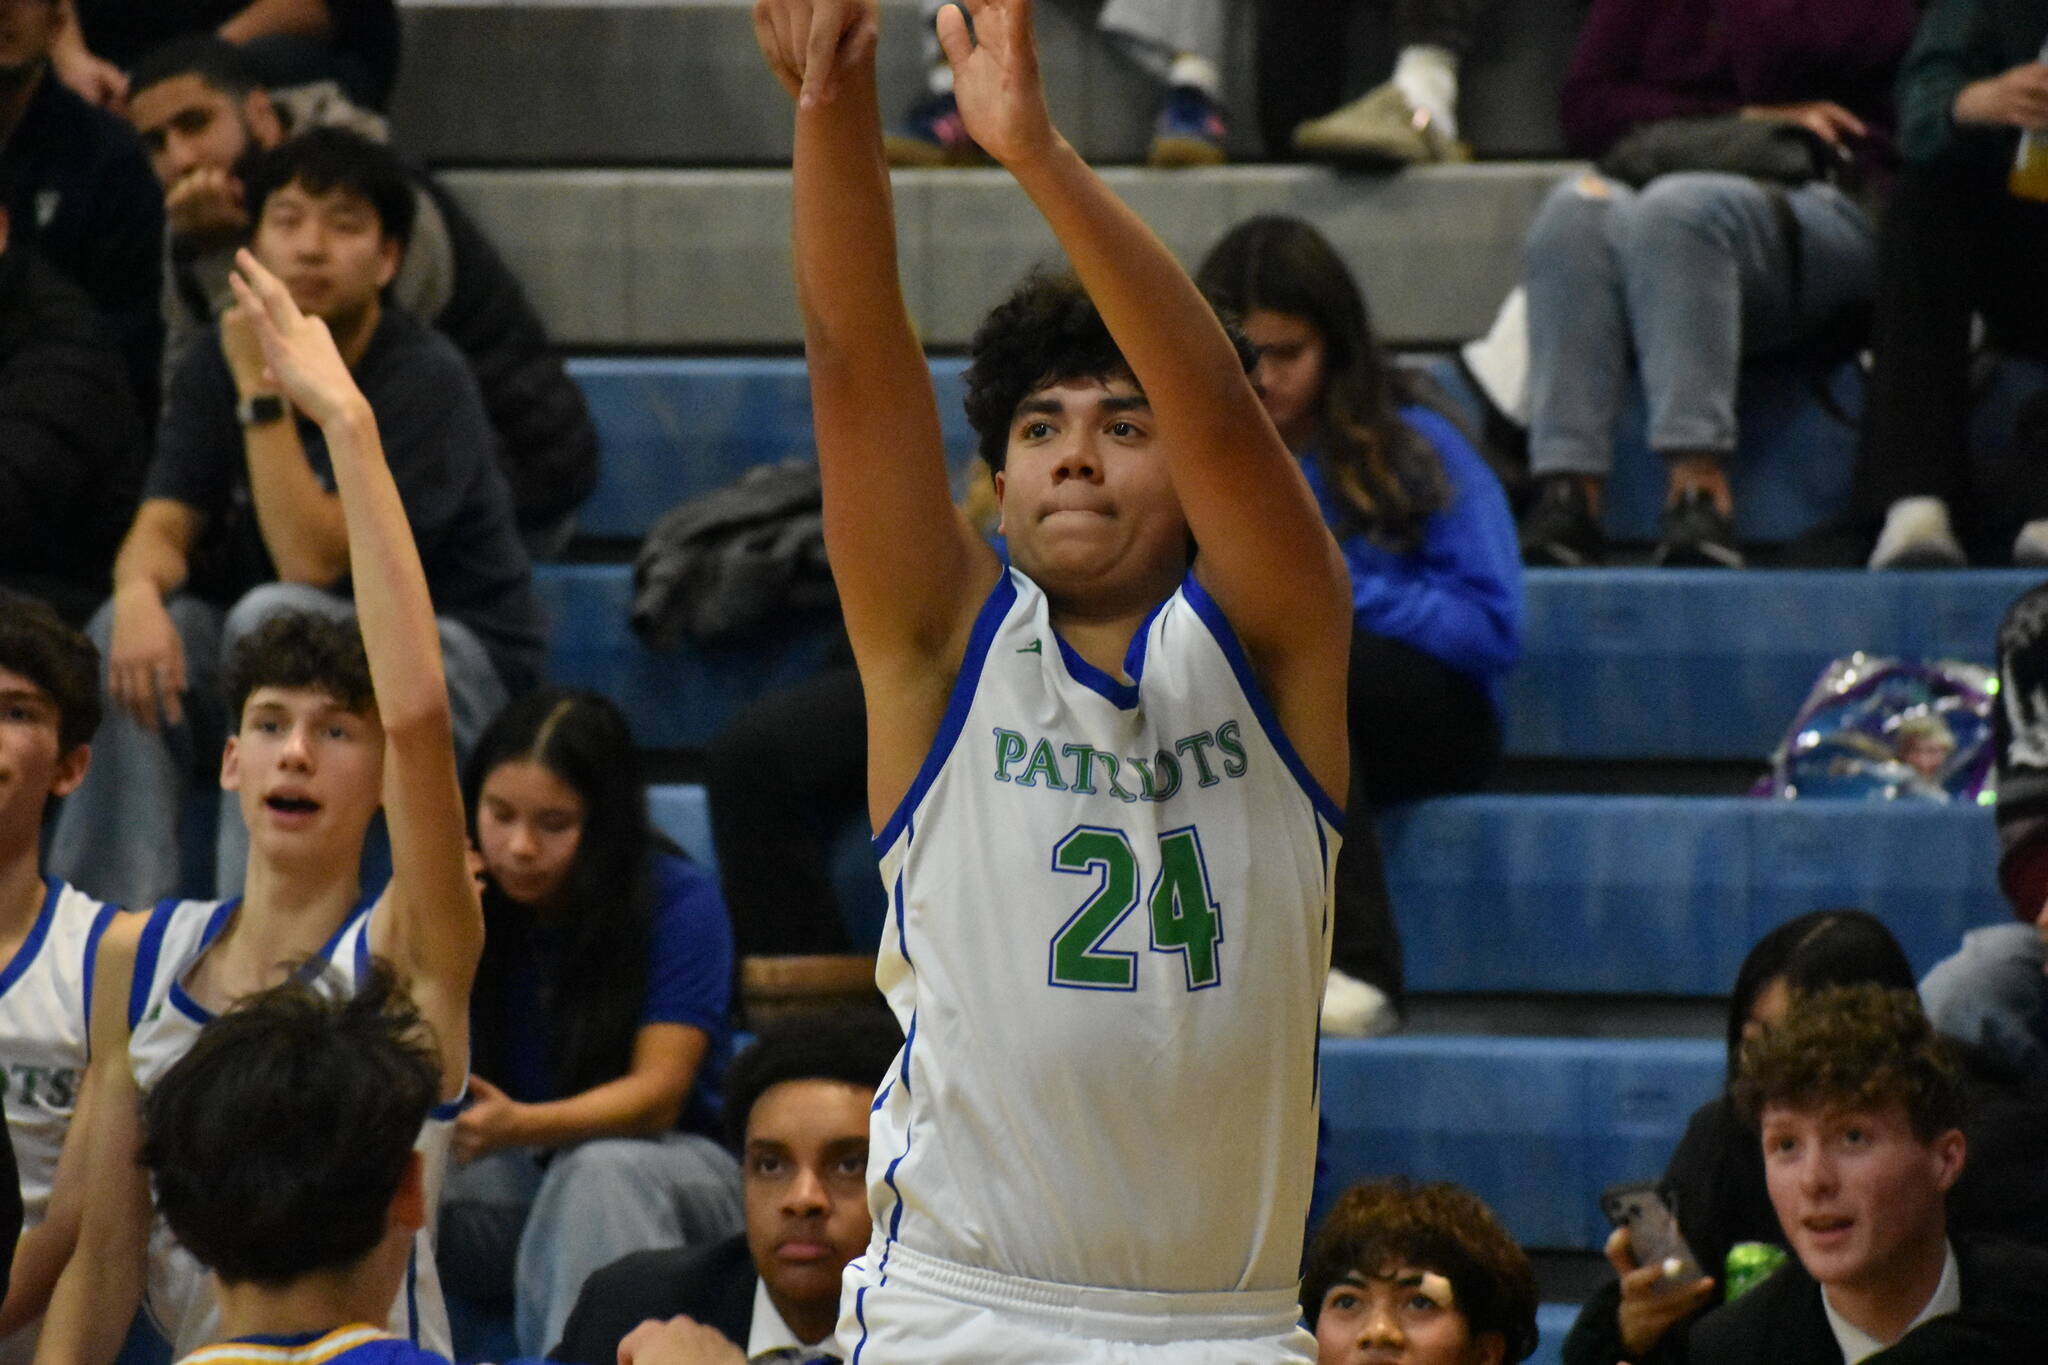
1185,916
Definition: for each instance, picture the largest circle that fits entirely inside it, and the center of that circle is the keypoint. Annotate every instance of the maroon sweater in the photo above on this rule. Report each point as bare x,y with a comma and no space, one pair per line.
1638,61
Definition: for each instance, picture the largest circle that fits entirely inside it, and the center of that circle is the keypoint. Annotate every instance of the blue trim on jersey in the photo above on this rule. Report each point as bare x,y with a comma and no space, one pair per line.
990,619
147,950
412,1294
1123,695
860,1315
93,935
1212,616
185,1004
33,944
902,935
447,1110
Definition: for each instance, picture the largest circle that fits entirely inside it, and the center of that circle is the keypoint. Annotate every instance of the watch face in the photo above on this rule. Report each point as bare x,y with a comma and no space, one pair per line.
264,408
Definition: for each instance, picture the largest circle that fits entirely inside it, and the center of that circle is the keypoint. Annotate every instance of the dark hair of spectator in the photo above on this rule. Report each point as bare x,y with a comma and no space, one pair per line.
302,649
1047,332
324,160
854,1046
221,64
56,658
1378,1226
1824,948
277,1142
590,944
1855,1048
1388,475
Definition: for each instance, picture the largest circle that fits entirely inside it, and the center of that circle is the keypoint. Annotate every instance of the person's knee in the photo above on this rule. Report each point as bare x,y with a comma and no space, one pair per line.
1996,976
1697,206
261,603
1569,224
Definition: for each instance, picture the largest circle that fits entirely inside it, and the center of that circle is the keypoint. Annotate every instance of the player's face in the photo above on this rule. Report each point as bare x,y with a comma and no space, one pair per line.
328,248
1290,372
805,1172
1405,1315
309,772
529,825
1087,506
32,767
185,125
1859,1195
27,28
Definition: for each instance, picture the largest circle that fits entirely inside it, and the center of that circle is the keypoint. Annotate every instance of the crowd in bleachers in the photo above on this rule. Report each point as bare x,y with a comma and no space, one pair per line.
212,247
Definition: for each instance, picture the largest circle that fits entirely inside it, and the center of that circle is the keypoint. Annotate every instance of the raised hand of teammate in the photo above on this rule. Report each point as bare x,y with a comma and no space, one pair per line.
810,44
298,350
995,77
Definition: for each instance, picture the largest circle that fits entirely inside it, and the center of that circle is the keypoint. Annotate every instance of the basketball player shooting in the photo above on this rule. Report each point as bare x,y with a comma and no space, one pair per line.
1106,777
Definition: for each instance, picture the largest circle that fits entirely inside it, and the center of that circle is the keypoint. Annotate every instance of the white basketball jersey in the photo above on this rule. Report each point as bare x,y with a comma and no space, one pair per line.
1107,936
163,1020
45,1002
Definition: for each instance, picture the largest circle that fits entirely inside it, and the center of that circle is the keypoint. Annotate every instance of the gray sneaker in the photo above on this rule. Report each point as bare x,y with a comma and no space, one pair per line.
1380,125
1696,535
1917,535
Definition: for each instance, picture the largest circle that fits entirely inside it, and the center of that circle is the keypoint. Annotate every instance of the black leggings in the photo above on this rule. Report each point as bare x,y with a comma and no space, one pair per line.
1418,728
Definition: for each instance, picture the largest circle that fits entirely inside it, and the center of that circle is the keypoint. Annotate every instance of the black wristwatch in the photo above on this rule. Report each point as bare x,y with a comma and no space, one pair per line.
260,410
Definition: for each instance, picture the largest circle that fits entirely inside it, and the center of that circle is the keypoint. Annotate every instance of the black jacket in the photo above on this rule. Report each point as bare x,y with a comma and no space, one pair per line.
72,447
714,1285
2003,1319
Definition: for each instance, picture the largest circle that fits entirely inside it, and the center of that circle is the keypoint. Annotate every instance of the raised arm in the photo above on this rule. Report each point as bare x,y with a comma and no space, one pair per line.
430,923
102,1282
1265,554
910,572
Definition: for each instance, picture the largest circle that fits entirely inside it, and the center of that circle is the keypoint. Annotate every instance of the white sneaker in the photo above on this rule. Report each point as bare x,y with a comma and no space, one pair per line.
2030,546
1917,535
1352,1009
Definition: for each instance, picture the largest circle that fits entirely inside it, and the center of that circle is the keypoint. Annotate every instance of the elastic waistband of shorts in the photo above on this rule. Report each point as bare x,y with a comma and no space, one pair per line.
1144,1316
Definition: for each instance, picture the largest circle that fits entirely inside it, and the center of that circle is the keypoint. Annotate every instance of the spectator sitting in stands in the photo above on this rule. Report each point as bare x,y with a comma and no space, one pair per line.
71,445
1691,273
1436,586
1956,238
1180,43
204,115
353,43
238,513
281,1150
1423,1275
1715,1181
75,184
600,1021
1409,119
1858,1099
796,1108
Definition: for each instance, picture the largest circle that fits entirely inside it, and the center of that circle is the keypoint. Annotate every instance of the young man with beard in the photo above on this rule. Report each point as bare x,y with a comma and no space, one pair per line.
204,116
240,520
1101,774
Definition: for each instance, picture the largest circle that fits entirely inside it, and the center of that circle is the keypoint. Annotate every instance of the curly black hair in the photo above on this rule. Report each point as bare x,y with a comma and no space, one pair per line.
56,658
850,1045
277,1142
1046,332
301,649
1441,1227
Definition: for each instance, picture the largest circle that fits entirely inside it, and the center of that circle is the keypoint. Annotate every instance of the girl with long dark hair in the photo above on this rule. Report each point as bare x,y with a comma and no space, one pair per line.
599,1021
1435,578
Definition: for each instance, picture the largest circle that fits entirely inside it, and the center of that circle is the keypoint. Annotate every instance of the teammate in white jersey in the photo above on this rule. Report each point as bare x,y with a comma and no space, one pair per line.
311,755
1103,778
49,930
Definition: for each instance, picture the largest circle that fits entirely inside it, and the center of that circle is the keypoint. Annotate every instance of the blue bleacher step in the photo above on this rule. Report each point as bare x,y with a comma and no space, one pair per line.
1664,895
1706,663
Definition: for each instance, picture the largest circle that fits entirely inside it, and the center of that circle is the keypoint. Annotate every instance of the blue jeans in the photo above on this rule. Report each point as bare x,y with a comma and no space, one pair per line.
1686,277
1992,992
508,1226
117,836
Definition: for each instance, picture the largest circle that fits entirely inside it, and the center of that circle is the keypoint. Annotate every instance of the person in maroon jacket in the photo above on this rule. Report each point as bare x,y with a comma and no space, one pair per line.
1692,272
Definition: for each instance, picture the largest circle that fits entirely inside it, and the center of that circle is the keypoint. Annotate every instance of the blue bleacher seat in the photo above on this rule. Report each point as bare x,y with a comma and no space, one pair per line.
1535,1126
1664,895
1553,1323
1655,663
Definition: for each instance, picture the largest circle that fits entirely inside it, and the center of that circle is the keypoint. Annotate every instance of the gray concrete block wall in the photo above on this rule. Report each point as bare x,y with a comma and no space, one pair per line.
699,260
679,82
